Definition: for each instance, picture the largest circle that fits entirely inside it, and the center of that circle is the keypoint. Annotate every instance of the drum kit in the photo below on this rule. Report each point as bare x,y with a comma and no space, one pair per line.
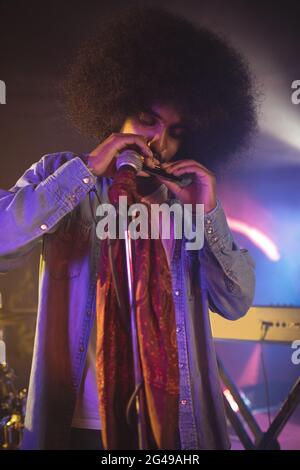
12,400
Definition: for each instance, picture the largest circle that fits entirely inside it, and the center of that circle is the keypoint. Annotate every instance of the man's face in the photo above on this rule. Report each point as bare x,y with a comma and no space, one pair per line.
163,127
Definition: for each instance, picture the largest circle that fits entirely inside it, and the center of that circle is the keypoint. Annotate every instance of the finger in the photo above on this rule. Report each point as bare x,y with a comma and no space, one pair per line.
196,175
123,135
172,186
188,169
179,162
183,163
192,168
140,141
151,162
185,169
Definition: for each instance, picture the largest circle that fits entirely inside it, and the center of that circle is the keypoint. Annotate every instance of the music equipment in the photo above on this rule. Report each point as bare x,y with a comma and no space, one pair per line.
272,324
280,324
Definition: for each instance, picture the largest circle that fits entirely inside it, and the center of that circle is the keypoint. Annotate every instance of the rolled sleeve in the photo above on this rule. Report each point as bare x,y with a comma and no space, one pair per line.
227,270
46,192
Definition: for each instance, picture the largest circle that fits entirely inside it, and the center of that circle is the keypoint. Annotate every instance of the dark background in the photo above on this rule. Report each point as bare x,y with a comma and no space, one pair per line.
38,38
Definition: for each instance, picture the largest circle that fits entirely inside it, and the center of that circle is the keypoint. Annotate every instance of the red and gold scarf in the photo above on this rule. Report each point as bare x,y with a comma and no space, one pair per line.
156,329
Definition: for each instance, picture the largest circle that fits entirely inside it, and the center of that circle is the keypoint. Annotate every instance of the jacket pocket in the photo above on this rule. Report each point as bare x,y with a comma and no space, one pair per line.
64,250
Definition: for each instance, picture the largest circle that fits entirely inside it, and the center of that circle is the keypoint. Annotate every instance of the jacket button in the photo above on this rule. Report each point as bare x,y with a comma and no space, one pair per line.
183,402
43,227
81,348
177,292
86,180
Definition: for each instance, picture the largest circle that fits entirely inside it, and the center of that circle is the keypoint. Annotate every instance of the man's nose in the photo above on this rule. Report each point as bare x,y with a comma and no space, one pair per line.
158,142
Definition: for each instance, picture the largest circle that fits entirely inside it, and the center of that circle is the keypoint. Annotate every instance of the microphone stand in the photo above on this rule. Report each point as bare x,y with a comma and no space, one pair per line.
138,375
130,159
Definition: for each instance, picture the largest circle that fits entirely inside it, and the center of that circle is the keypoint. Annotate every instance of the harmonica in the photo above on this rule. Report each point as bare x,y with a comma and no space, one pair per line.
183,180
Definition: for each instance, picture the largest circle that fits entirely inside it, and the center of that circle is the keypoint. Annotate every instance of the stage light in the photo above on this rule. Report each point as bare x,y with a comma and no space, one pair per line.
262,241
280,116
233,404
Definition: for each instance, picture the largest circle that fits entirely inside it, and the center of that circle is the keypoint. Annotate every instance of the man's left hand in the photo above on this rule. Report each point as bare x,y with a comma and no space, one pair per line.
202,189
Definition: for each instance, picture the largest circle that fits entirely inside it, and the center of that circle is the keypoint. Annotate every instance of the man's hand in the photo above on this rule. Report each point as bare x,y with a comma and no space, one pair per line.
102,160
202,189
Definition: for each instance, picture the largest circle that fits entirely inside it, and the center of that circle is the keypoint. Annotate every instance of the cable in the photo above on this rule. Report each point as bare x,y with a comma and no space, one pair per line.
131,403
265,328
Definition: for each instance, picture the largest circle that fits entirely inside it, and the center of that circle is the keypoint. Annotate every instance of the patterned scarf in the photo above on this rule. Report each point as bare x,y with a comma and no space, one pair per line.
156,329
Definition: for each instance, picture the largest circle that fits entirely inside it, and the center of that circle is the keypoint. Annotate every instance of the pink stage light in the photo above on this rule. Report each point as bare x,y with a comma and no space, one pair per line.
233,404
262,241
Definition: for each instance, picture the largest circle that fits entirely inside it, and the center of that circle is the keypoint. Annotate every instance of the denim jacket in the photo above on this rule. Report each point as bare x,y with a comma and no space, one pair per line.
53,203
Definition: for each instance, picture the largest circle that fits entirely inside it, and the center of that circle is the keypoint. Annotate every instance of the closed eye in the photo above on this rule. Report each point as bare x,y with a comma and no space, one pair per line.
147,119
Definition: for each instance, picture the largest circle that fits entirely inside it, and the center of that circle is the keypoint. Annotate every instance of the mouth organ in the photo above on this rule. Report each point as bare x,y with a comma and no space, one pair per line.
183,180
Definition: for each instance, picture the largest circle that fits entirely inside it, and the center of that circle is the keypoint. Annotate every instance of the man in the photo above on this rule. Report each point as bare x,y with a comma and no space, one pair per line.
183,97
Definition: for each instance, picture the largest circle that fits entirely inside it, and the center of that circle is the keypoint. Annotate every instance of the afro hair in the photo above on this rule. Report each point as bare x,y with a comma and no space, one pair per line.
147,55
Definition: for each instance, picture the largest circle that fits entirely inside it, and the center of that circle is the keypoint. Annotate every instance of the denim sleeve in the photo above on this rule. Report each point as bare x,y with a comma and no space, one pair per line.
227,271
48,190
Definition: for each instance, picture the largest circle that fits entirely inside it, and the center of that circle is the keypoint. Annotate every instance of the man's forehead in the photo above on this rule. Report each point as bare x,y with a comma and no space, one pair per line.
167,113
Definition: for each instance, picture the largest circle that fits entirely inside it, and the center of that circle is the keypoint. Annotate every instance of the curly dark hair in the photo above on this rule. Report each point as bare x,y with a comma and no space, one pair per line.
147,55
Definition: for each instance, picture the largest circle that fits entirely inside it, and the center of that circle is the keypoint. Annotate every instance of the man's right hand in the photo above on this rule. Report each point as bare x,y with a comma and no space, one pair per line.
102,160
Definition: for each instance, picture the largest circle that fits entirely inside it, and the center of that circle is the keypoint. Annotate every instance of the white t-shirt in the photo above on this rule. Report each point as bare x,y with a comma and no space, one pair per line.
86,414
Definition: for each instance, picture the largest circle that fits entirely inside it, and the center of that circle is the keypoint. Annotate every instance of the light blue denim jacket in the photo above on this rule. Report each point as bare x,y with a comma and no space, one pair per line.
52,203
